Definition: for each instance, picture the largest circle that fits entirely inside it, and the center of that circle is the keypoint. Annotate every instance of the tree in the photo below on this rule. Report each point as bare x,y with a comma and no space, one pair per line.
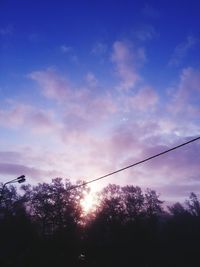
111,206
153,206
133,200
177,209
9,197
54,206
193,204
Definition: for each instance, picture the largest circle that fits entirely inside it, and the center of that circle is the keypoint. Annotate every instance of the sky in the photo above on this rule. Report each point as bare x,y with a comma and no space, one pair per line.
88,87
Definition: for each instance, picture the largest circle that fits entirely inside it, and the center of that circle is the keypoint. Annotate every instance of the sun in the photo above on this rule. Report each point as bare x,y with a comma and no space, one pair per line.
88,202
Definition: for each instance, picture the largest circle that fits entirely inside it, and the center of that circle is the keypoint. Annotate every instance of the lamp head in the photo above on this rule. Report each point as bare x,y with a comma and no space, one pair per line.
21,177
21,181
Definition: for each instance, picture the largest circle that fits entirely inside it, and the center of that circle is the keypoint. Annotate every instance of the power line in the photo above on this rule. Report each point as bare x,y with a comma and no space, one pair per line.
134,164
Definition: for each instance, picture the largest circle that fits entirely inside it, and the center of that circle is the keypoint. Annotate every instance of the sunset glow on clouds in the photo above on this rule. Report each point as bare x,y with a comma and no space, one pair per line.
80,106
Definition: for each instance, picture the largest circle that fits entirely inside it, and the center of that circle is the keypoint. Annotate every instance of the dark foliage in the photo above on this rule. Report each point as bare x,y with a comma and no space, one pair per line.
44,226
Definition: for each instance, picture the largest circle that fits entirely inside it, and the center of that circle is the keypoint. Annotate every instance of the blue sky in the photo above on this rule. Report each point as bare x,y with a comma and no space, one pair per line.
99,85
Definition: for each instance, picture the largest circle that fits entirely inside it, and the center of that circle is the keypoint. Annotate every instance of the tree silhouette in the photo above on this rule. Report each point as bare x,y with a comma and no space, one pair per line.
193,204
44,226
133,200
153,206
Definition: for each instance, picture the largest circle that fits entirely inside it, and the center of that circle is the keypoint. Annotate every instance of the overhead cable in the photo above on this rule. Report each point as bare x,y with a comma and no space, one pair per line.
134,164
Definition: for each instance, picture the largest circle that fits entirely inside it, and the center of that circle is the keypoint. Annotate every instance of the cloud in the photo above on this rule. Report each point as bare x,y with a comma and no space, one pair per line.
145,33
186,95
19,115
7,156
140,137
175,169
43,122
96,130
15,116
70,54
178,192
36,163
87,113
172,170
123,145
145,99
65,48
52,85
181,51
91,79
80,107
17,169
126,62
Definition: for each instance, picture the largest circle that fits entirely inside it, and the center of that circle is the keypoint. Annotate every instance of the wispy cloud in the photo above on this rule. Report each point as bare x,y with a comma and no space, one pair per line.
145,33
186,95
181,50
10,156
80,107
17,169
15,116
145,99
19,115
65,48
126,60
52,85
91,79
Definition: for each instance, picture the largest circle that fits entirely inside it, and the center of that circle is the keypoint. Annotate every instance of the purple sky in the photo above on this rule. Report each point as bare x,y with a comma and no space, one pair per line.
88,89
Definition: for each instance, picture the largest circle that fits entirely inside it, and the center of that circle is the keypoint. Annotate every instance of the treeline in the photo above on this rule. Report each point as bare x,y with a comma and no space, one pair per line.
44,225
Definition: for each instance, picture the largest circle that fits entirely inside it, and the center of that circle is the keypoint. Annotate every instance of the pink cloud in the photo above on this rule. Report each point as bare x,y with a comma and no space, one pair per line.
189,82
52,85
91,79
43,122
19,115
15,116
17,169
122,145
86,114
135,141
174,167
96,132
7,156
80,107
177,172
186,95
145,99
37,164
125,61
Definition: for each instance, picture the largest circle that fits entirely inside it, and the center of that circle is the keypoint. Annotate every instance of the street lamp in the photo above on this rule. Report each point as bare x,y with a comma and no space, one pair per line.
19,180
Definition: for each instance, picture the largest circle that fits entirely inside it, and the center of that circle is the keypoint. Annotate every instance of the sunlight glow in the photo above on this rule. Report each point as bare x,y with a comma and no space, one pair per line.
89,202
